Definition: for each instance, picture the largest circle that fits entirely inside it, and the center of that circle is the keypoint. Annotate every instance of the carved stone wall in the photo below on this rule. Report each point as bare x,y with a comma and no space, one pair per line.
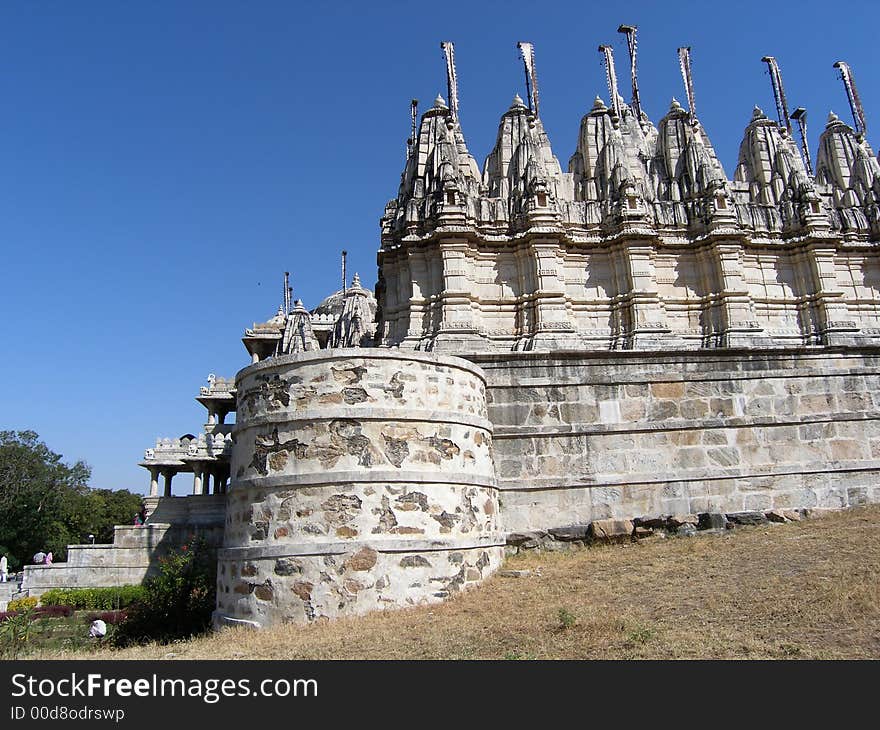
362,479
643,244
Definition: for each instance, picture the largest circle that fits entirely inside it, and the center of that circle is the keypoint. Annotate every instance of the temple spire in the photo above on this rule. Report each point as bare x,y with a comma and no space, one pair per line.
611,78
684,61
344,280
451,77
288,290
413,127
632,44
852,95
800,116
527,51
778,92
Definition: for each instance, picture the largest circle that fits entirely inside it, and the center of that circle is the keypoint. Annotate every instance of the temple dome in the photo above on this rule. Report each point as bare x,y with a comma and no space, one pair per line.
333,304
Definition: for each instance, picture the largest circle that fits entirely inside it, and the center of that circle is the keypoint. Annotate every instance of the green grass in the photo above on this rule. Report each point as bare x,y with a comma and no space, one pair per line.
49,635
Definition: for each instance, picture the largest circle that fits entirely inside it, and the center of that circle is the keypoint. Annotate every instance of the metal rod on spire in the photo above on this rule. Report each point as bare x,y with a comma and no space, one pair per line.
800,116
413,120
684,60
778,92
344,284
630,32
451,77
527,50
611,78
855,104
287,291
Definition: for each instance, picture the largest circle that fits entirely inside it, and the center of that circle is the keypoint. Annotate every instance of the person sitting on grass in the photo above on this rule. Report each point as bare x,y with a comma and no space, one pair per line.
98,629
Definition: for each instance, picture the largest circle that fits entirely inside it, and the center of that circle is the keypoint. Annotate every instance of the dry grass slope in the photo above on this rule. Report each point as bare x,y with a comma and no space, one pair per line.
799,590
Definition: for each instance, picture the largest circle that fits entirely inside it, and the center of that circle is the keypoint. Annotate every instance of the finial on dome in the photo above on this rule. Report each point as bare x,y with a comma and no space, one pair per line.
758,113
440,102
674,106
832,117
598,104
517,102
356,281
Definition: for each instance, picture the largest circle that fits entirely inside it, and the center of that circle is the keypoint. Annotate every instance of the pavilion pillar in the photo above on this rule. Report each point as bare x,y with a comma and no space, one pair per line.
169,475
154,481
198,486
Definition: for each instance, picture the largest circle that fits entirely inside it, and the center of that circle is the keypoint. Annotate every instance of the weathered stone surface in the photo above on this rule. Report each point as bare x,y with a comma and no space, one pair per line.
650,522
676,521
776,515
747,518
526,539
288,566
712,521
570,533
605,529
264,591
363,559
792,515
414,561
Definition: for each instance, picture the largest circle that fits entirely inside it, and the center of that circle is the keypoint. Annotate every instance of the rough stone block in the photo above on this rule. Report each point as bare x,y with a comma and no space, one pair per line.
712,521
652,523
607,529
747,518
676,521
570,533
526,540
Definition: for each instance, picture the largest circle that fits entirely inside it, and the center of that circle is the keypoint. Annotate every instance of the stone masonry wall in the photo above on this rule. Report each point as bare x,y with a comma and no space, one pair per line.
362,479
582,436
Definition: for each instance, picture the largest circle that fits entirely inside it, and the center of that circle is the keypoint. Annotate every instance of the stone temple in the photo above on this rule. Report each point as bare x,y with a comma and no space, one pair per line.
636,334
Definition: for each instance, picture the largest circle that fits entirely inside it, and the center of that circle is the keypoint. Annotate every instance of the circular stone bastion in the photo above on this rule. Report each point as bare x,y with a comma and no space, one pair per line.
361,480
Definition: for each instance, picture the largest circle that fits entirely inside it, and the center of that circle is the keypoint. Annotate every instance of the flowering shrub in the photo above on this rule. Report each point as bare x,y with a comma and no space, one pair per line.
178,602
40,612
22,604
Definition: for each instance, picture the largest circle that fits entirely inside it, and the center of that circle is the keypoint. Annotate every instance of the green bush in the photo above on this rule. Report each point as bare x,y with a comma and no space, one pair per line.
178,602
15,633
93,599
23,604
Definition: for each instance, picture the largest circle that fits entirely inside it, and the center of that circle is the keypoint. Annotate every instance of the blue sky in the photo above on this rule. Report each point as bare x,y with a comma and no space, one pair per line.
162,163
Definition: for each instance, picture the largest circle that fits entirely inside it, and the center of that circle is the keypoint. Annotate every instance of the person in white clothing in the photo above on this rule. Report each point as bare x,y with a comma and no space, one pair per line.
4,569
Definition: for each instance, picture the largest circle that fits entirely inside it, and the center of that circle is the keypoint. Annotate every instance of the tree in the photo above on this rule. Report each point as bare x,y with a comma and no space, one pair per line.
36,489
47,505
118,507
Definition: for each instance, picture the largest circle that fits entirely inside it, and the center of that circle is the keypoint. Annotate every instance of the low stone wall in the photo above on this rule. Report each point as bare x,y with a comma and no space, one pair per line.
586,436
362,479
135,551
